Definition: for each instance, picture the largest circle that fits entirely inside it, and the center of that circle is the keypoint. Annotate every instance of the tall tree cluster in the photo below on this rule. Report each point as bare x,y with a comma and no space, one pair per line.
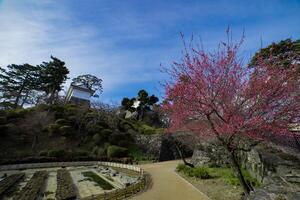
27,84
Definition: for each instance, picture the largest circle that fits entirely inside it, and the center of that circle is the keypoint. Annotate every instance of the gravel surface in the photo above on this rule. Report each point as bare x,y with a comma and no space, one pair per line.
168,185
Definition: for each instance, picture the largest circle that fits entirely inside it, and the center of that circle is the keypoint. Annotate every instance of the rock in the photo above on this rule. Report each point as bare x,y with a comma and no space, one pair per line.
210,153
162,147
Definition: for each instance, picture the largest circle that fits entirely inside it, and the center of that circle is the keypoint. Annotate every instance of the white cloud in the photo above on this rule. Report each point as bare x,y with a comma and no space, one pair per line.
32,31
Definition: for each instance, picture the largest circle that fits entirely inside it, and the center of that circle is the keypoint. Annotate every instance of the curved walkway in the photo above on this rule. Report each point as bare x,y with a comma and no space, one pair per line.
167,185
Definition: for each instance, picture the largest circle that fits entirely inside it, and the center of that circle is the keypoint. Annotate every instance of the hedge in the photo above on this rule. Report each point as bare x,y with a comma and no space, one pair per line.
116,151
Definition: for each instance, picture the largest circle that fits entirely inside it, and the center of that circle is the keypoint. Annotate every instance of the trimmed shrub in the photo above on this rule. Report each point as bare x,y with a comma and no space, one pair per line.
201,172
121,139
66,130
3,129
3,120
95,129
106,132
43,153
57,153
61,122
79,153
17,113
147,130
198,172
138,155
98,151
53,129
131,132
116,151
97,138
12,129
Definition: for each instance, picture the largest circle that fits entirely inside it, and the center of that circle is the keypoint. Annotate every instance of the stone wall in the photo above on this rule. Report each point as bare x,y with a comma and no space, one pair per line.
277,171
162,146
210,154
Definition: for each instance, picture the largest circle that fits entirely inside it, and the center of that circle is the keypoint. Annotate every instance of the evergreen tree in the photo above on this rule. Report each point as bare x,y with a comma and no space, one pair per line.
53,75
17,83
146,103
89,81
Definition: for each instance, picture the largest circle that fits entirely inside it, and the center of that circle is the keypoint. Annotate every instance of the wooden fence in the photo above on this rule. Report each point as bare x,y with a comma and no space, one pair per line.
123,193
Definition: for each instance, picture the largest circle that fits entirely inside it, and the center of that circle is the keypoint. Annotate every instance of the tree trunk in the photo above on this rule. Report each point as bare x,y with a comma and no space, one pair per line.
296,141
25,99
246,187
18,96
181,154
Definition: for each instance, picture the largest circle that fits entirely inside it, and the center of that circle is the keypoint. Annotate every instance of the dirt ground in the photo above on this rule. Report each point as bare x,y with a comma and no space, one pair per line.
167,185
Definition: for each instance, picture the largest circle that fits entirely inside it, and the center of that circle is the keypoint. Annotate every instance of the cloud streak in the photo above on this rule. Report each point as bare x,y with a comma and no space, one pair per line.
124,42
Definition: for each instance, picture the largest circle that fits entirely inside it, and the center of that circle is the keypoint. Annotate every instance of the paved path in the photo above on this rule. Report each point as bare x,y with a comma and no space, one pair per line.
167,185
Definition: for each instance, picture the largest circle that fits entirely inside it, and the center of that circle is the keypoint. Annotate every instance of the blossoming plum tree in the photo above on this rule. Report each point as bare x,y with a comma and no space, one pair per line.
226,100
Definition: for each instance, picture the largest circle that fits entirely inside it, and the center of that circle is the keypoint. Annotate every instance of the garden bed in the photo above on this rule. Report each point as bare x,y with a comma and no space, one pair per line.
65,188
33,187
9,182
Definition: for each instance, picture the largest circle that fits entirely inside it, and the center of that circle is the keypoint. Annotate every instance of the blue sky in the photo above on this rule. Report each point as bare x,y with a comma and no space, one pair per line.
124,42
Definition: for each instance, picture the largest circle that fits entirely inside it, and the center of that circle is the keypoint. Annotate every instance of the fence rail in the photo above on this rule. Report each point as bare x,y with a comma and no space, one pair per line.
124,192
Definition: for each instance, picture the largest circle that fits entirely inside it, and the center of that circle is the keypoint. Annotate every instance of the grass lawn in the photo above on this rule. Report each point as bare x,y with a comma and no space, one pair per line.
98,180
221,184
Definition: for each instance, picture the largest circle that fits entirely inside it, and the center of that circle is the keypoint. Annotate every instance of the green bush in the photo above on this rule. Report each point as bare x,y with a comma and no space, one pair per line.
61,122
201,172
3,120
94,129
198,172
43,153
57,153
114,151
147,130
79,153
106,132
12,129
3,129
17,113
102,136
98,151
229,177
53,129
138,155
66,130
97,138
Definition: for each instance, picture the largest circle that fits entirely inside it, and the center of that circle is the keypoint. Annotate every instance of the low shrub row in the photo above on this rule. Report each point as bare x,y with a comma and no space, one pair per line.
33,187
9,181
198,172
65,188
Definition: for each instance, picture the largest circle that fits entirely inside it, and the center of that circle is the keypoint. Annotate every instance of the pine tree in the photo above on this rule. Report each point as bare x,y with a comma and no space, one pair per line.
17,83
53,75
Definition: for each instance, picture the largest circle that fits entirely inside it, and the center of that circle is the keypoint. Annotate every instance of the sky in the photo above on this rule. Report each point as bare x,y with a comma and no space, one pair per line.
124,42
